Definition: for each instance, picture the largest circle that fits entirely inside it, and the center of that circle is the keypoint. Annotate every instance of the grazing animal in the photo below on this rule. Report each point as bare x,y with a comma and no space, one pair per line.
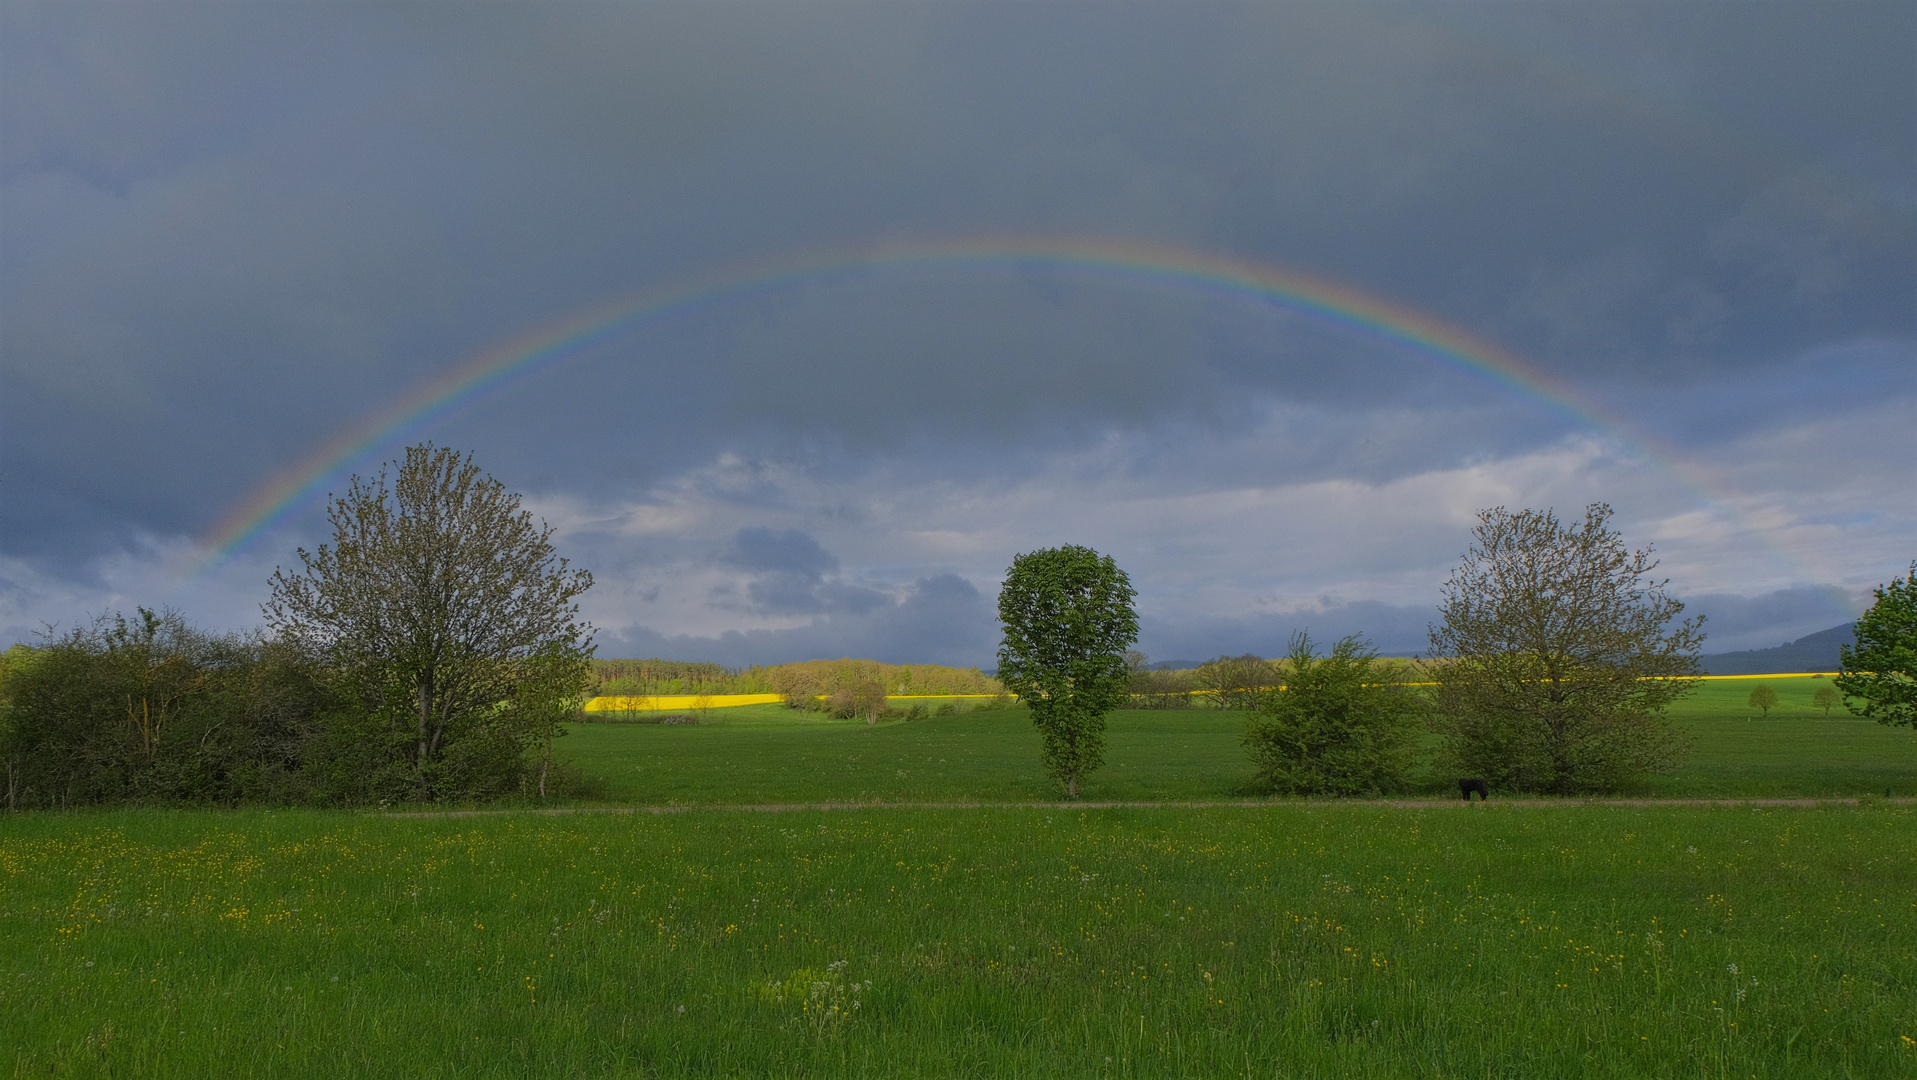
1466,787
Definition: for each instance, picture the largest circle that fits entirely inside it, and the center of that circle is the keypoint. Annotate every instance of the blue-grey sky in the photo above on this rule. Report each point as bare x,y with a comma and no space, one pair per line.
230,233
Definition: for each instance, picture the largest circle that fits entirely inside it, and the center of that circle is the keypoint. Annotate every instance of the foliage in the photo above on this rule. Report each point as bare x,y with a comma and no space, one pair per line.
1236,682
1556,657
1068,621
1762,698
153,711
1826,697
1881,671
432,600
863,699
1342,724
552,683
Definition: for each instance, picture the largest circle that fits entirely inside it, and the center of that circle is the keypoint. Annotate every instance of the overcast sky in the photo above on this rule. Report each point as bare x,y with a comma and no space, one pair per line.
234,233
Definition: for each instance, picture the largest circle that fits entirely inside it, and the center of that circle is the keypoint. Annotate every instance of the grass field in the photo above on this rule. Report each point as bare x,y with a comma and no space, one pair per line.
769,754
1520,939
1300,941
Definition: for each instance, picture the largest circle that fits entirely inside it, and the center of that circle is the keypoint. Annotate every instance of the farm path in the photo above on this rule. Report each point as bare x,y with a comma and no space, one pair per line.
1408,804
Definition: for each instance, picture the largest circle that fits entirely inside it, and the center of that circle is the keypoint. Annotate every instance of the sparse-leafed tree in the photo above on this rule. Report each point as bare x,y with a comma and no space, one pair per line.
1763,699
1068,621
1825,698
1342,724
434,594
1150,688
553,683
1235,682
857,698
1879,678
798,686
1557,656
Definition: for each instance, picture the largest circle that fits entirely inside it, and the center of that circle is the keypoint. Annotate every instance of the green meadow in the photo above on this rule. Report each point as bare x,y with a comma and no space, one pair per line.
769,754
1523,938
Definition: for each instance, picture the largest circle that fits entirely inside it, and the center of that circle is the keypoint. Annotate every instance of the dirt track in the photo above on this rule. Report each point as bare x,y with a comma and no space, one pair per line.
1407,804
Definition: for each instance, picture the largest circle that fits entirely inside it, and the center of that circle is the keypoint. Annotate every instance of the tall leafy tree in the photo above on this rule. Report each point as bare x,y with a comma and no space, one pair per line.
1068,621
1879,676
1558,654
436,593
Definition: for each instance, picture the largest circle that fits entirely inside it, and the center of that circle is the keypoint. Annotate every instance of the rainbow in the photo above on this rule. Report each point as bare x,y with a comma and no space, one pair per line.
1342,306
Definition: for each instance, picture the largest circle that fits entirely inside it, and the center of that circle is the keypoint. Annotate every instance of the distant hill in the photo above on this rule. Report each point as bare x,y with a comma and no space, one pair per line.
1813,652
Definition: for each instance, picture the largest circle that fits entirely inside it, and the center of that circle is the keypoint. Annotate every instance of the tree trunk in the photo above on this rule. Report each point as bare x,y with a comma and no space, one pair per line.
1071,788
425,702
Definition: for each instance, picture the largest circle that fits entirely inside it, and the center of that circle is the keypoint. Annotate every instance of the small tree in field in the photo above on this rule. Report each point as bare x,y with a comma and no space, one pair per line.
1236,682
1763,699
1068,621
432,599
1342,724
1881,672
1557,656
1826,697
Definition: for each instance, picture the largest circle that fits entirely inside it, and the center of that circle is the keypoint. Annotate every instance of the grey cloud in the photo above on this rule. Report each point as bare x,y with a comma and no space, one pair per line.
787,551
942,619
790,574
234,234
1393,629
1733,623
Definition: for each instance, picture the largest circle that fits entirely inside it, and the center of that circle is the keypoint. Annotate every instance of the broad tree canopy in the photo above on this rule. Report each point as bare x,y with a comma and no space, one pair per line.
1879,678
1558,654
434,594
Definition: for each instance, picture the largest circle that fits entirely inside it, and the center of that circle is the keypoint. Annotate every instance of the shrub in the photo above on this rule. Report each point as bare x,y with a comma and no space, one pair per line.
1342,724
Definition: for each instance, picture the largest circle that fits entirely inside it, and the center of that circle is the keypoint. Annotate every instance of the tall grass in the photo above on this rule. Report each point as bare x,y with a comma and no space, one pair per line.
1297,941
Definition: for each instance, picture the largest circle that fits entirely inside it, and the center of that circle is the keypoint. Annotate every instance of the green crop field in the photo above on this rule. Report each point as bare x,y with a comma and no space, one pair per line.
1524,938
769,754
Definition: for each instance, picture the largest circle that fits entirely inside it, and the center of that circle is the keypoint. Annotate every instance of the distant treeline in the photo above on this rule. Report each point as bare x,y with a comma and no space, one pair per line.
652,678
1226,682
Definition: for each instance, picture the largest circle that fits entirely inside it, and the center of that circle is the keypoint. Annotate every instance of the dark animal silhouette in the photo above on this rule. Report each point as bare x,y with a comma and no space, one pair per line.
1466,787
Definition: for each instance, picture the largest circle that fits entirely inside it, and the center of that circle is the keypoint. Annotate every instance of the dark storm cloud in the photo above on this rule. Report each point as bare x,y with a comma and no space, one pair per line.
1733,623
1393,629
788,551
790,574
234,232
939,620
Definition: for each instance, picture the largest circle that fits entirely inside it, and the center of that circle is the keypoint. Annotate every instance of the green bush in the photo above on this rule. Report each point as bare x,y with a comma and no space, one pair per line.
153,711
1342,724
